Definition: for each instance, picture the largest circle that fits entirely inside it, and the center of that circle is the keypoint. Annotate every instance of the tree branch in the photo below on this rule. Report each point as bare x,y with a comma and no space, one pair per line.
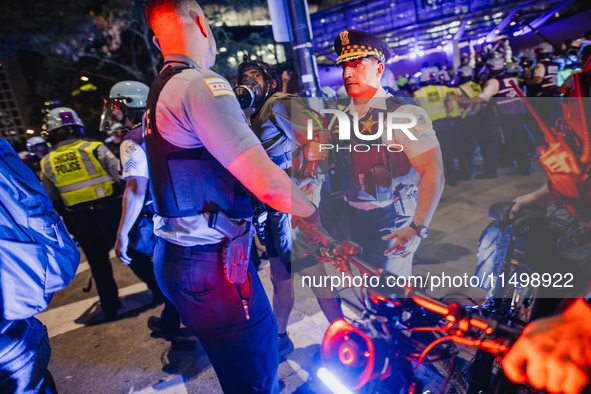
93,74
148,43
122,66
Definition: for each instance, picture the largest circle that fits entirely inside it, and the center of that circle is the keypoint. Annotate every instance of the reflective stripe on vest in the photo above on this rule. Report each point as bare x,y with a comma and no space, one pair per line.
77,174
472,89
430,98
451,93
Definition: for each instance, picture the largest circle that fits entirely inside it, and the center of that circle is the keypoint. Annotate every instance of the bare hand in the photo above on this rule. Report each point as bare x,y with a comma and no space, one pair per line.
313,152
405,237
521,202
556,352
121,246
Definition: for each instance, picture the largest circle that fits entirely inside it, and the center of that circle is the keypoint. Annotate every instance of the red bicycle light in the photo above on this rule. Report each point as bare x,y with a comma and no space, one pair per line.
352,355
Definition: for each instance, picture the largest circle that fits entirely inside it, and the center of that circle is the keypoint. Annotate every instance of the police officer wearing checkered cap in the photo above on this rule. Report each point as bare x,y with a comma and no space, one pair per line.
387,220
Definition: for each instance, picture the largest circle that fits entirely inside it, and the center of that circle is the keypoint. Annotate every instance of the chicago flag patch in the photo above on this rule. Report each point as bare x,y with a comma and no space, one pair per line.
219,87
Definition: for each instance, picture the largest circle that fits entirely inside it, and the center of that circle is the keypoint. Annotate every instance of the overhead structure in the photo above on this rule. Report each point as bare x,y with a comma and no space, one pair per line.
416,27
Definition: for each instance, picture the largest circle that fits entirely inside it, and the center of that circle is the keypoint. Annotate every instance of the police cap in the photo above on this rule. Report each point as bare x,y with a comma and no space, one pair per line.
353,45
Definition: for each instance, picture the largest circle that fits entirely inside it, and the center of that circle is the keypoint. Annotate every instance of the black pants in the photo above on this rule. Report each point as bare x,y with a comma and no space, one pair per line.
488,136
96,229
516,135
462,139
445,134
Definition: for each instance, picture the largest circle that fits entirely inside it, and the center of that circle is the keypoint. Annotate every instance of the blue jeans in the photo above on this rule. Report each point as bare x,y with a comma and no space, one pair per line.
24,355
242,351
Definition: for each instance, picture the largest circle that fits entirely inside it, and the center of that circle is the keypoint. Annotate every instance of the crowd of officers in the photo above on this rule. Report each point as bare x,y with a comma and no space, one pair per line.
477,108
183,149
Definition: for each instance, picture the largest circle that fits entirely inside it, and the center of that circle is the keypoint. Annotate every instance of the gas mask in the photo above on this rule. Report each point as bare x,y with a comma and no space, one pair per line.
249,93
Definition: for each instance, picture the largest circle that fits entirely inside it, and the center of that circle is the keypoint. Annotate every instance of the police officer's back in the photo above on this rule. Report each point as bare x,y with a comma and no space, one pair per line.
83,174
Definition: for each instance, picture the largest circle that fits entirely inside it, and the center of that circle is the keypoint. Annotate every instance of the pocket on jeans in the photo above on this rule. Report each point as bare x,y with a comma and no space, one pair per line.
193,290
250,349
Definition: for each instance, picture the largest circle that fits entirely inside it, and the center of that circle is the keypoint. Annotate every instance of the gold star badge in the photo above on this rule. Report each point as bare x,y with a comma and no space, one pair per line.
368,125
344,37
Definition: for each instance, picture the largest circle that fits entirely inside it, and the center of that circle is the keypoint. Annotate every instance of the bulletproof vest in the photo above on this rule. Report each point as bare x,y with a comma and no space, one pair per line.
549,81
508,101
370,171
188,182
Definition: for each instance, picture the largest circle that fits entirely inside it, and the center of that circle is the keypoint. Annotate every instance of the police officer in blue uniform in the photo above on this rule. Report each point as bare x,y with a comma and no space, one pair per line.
204,160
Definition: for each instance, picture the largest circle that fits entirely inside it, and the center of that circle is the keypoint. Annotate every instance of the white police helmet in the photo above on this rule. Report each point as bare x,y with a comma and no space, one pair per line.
60,123
134,94
34,141
466,72
496,64
127,99
513,68
429,74
545,47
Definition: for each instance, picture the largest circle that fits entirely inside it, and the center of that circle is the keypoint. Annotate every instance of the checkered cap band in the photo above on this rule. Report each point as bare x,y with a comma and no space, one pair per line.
355,52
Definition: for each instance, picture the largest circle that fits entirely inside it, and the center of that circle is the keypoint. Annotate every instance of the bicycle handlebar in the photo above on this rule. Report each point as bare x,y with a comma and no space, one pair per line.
345,254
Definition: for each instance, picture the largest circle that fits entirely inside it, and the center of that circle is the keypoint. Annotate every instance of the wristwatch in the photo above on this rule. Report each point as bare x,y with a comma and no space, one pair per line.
422,231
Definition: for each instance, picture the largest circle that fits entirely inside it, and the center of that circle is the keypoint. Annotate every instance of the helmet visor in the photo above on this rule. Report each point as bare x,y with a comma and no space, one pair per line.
112,116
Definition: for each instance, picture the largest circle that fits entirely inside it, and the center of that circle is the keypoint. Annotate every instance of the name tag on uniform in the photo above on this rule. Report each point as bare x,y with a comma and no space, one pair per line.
219,87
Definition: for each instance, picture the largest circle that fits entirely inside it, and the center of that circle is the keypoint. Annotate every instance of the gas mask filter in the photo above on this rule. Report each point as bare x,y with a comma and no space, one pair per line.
249,92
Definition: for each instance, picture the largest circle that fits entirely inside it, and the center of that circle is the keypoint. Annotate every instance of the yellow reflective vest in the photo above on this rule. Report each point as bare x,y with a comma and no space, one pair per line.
471,89
451,93
431,99
76,172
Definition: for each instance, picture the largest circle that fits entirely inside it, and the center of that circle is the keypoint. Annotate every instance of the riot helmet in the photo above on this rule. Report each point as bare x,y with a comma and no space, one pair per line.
429,75
496,65
127,101
544,50
38,146
465,74
254,89
513,69
61,124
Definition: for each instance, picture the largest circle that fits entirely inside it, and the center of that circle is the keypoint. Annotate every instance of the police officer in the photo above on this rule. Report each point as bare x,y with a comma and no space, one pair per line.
38,148
84,175
203,160
507,111
471,119
381,187
275,123
125,108
544,79
461,146
433,98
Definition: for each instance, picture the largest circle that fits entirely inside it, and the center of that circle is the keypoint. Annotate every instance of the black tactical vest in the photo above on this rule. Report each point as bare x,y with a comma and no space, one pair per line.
188,182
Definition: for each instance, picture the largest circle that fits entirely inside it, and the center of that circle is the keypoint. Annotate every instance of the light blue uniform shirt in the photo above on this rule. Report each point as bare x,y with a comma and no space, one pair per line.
197,108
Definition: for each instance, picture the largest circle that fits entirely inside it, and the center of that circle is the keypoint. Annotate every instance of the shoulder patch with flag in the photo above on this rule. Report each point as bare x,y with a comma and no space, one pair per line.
219,86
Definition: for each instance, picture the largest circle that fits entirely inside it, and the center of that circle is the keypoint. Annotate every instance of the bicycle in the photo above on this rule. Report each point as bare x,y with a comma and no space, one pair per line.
375,353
